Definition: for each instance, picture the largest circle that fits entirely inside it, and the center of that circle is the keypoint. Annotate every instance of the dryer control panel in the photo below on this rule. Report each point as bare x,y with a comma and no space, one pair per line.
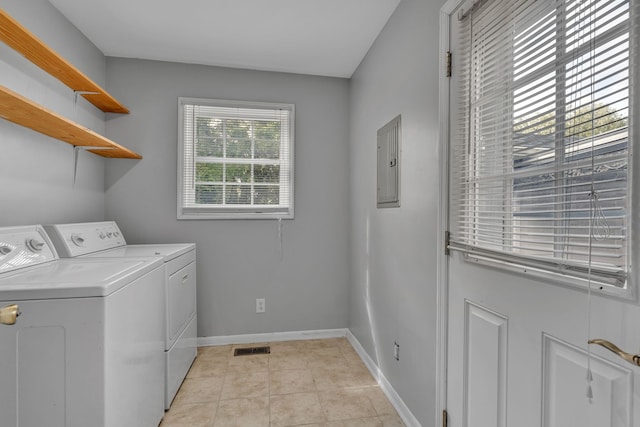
74,240
24,246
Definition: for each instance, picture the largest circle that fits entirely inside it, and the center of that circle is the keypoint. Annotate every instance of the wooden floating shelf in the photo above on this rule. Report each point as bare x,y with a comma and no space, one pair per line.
36,51
22,111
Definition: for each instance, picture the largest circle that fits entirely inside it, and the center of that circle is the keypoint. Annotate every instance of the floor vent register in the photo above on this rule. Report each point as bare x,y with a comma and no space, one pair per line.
251,350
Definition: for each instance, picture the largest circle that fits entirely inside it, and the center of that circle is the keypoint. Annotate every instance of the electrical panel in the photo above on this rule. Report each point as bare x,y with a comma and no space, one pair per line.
389,165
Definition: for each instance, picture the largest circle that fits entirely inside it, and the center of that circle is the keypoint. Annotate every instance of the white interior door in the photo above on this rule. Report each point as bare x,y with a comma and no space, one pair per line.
517,344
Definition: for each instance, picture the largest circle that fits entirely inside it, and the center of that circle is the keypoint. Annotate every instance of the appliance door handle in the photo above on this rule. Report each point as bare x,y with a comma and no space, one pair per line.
634,359
9,314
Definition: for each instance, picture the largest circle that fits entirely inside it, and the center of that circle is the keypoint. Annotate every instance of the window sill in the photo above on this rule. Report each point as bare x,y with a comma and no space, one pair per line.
234,215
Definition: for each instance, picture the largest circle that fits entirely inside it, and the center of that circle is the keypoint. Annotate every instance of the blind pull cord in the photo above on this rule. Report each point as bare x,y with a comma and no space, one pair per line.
601,229
589,378
598,230
280,238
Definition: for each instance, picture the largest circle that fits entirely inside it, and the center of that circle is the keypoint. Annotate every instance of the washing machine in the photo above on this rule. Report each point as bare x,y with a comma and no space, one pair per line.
81,340
105,240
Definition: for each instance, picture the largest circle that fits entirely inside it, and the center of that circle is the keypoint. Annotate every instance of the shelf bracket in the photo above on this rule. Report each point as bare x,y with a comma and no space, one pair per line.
77,93
76,150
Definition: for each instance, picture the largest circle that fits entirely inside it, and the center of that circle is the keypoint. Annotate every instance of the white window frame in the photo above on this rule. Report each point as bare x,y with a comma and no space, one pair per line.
189,209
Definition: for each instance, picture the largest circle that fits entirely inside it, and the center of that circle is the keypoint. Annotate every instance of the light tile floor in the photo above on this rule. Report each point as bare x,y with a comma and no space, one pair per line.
309,383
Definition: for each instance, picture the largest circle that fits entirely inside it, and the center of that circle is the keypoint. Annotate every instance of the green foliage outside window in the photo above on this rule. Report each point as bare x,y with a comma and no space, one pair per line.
579,123
221,180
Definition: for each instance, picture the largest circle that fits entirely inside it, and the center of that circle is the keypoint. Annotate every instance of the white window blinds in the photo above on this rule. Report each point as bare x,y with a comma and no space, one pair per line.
541,179
236,160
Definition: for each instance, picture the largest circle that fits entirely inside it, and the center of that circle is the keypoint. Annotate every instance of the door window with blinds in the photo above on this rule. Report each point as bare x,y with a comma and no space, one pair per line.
235,159
541,179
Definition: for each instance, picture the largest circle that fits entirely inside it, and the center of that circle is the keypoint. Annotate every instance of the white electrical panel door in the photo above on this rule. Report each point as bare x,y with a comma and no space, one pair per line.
389,165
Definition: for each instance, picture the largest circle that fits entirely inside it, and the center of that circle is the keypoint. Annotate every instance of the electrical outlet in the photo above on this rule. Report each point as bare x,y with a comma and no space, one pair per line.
260,305
396,351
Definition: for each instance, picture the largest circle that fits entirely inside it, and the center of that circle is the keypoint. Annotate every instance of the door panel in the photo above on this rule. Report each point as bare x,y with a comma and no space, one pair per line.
563,401
485,366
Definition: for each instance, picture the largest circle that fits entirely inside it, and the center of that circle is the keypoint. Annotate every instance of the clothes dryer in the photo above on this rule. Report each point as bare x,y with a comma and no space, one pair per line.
82,341
105,240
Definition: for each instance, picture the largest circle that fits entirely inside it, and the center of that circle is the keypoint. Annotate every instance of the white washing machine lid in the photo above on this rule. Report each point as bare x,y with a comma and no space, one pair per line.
74,278
167,251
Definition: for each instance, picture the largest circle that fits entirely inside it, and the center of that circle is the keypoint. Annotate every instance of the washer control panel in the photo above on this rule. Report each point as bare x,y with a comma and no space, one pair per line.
24,246
72,240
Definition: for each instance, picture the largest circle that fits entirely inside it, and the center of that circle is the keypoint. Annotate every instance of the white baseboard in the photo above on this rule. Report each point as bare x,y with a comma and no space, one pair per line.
404,412
407,417
271,337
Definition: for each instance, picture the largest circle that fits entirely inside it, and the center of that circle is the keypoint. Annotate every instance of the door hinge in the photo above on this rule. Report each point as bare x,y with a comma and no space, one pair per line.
445,418
447,241
447,59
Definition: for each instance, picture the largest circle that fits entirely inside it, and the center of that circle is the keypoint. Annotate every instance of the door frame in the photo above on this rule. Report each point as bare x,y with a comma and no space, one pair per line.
442,310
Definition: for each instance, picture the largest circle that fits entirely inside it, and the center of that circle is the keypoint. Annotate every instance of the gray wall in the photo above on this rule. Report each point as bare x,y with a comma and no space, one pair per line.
36,171
393,251
305,286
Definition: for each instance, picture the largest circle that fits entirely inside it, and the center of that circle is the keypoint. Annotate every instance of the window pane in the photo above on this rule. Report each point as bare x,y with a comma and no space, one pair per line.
209,172
610,216
267,130
267,149
534,46
238,148
238,173
208,194
238,195
267,135
533,216
209,137
589,18
534,121
267,195
238,139
266,173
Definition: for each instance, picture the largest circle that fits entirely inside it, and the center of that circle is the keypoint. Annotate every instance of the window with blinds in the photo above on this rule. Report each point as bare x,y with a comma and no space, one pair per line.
541,179
235,159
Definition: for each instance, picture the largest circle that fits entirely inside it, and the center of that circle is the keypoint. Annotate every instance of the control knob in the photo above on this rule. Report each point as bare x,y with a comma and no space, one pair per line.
77,239
34,245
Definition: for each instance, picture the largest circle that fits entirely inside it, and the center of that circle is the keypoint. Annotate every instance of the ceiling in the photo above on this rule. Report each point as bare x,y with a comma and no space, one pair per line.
318,37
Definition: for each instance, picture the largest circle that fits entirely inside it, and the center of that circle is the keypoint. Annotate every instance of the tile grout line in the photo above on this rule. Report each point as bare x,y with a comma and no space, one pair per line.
224,379
315,385
269,386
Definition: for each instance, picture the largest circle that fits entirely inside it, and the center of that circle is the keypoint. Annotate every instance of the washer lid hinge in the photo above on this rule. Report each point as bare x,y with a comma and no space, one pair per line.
447,241
447,59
